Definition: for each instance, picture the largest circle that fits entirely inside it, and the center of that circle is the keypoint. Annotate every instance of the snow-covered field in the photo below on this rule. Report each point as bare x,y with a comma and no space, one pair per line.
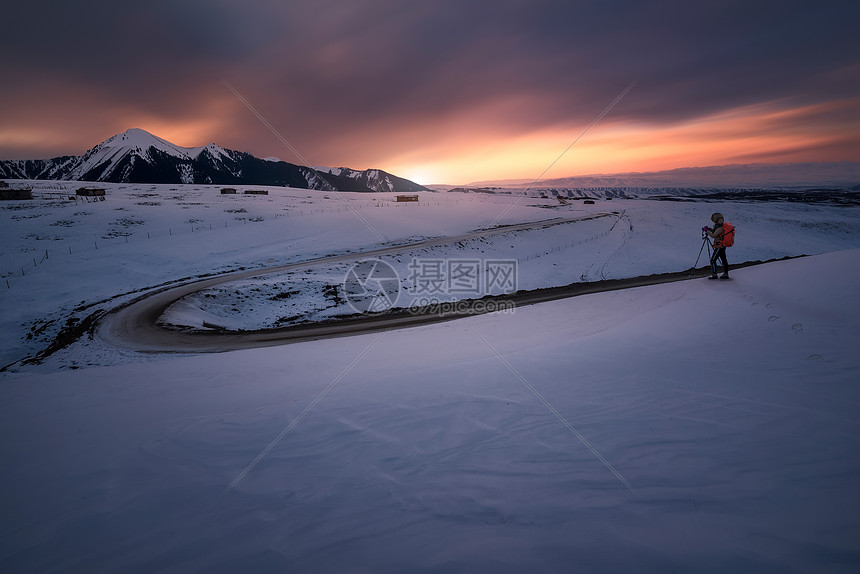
695,426
61,260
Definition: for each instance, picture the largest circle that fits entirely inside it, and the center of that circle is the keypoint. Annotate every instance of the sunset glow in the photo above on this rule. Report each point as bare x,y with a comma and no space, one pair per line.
442,95
754,134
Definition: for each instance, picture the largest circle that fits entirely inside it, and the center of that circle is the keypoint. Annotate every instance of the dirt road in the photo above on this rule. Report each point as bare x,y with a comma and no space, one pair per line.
135,324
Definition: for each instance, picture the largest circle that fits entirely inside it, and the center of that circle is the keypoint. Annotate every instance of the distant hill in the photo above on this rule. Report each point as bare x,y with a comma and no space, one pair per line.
758,175
137,156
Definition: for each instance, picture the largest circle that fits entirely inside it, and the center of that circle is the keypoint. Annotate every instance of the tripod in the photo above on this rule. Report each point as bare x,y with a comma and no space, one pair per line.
704,242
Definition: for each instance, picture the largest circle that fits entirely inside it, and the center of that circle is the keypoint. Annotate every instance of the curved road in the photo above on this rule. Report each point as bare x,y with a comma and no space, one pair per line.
135,325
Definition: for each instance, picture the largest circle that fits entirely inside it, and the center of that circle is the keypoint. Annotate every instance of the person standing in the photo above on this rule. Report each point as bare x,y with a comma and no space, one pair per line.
723,234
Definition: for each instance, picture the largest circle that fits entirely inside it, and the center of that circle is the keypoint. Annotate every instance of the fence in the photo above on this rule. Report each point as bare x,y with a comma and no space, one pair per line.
10,275
572,244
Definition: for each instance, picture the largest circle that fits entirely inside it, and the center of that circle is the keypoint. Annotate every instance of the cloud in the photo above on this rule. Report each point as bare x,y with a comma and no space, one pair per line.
357,83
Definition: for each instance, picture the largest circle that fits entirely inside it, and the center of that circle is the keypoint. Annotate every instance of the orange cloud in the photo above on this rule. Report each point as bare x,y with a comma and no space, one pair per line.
761,133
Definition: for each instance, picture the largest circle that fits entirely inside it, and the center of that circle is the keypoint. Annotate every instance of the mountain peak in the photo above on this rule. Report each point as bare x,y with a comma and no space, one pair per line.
133,133
134,137
137,138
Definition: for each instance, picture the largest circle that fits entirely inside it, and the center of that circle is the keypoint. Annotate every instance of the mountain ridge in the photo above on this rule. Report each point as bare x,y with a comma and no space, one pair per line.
137,156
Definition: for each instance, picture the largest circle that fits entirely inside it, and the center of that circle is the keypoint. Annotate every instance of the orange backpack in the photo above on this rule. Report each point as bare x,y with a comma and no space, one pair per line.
728,238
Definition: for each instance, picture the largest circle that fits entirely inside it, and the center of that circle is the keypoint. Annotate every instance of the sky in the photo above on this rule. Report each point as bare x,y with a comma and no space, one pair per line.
441,92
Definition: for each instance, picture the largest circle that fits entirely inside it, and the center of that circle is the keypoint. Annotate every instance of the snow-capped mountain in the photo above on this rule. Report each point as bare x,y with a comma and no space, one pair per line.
374,179
137,156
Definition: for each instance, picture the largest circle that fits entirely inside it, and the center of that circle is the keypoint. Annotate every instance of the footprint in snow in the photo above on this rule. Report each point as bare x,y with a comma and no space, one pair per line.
773,318
797,328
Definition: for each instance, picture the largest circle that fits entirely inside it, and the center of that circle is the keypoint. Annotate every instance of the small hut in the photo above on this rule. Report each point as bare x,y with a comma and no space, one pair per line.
228,190
12,193
90,191
402,198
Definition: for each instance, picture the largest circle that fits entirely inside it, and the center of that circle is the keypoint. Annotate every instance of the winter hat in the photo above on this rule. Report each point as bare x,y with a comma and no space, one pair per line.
716,216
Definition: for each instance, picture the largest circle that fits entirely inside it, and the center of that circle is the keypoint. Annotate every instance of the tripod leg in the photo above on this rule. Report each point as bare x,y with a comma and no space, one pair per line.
704,240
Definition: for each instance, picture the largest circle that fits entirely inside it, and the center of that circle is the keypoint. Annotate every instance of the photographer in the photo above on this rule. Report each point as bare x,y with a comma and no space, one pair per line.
723,234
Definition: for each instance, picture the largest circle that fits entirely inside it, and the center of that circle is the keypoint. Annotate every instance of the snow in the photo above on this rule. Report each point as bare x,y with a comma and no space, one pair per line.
143,140
215,150
186,173
118,146
632,241
695,426
331,170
